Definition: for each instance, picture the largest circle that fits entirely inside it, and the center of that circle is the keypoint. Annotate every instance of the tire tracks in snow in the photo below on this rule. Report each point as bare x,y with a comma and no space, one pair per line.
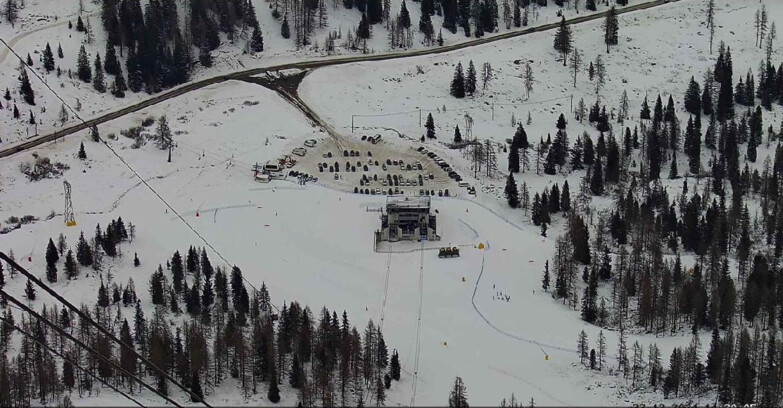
418,328
505,333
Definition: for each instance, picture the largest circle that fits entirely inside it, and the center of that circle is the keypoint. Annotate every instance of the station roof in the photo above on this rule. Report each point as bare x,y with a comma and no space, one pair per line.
403,202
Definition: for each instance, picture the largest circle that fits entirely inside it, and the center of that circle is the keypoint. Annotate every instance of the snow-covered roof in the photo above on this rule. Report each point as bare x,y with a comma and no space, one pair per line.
399,202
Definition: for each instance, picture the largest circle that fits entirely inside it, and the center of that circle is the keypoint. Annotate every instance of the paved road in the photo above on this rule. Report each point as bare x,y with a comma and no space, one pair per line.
4,52
240,75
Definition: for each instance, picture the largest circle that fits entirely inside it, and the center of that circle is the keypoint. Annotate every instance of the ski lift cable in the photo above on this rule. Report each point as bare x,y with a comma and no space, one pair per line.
62,356
78,342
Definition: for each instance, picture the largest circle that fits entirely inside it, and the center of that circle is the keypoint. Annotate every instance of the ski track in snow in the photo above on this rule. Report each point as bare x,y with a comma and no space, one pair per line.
505,333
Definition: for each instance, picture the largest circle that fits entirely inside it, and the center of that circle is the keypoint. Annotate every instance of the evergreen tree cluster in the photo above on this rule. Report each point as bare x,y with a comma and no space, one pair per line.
158,49
463,83
227,334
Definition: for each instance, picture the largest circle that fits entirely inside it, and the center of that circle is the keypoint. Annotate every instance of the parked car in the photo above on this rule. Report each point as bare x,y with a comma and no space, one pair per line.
310,142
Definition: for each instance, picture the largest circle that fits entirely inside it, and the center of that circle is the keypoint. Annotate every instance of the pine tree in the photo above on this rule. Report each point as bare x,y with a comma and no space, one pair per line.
430,126
26,90
68,377
111,63
611,26
458,83
48,58
645,112
257,42
98,81
458,397
118,87
464,16
545,280
692,98
29,291
51,259
693,147
513,160
745,373
83,66
425,26
563,41
363,31
71,268
470,80
511,191
404,18
597,179
59,51
103,296
395,366
177,272
274,391
285,30
457,135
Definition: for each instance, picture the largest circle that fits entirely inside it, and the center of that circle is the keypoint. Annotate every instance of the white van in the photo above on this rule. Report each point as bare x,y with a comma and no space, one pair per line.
272,166
299,151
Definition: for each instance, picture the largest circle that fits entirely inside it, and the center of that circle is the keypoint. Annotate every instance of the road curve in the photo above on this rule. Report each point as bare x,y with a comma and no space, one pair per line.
13,41
312,64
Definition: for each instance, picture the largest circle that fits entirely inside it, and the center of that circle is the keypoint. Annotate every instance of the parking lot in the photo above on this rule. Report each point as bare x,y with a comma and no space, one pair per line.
383,167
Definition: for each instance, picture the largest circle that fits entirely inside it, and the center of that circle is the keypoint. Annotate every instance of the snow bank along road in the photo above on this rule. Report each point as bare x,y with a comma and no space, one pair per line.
239,75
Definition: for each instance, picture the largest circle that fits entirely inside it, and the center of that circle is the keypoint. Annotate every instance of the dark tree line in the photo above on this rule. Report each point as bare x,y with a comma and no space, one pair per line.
226,331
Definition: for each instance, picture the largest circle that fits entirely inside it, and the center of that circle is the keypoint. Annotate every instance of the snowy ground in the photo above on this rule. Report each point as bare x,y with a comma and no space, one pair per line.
40,22
393,92
314,244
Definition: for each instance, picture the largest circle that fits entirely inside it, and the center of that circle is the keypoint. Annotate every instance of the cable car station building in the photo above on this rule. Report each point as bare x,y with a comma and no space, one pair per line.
407,219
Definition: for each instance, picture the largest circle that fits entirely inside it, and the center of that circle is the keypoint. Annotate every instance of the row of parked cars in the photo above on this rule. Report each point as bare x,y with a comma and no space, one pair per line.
397,191
442,163
372,139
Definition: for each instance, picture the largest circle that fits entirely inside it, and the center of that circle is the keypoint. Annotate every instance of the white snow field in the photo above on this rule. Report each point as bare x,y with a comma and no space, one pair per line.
43,21
658,53
314,245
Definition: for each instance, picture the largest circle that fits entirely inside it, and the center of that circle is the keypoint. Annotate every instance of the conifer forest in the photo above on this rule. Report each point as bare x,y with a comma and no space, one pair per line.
391,203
